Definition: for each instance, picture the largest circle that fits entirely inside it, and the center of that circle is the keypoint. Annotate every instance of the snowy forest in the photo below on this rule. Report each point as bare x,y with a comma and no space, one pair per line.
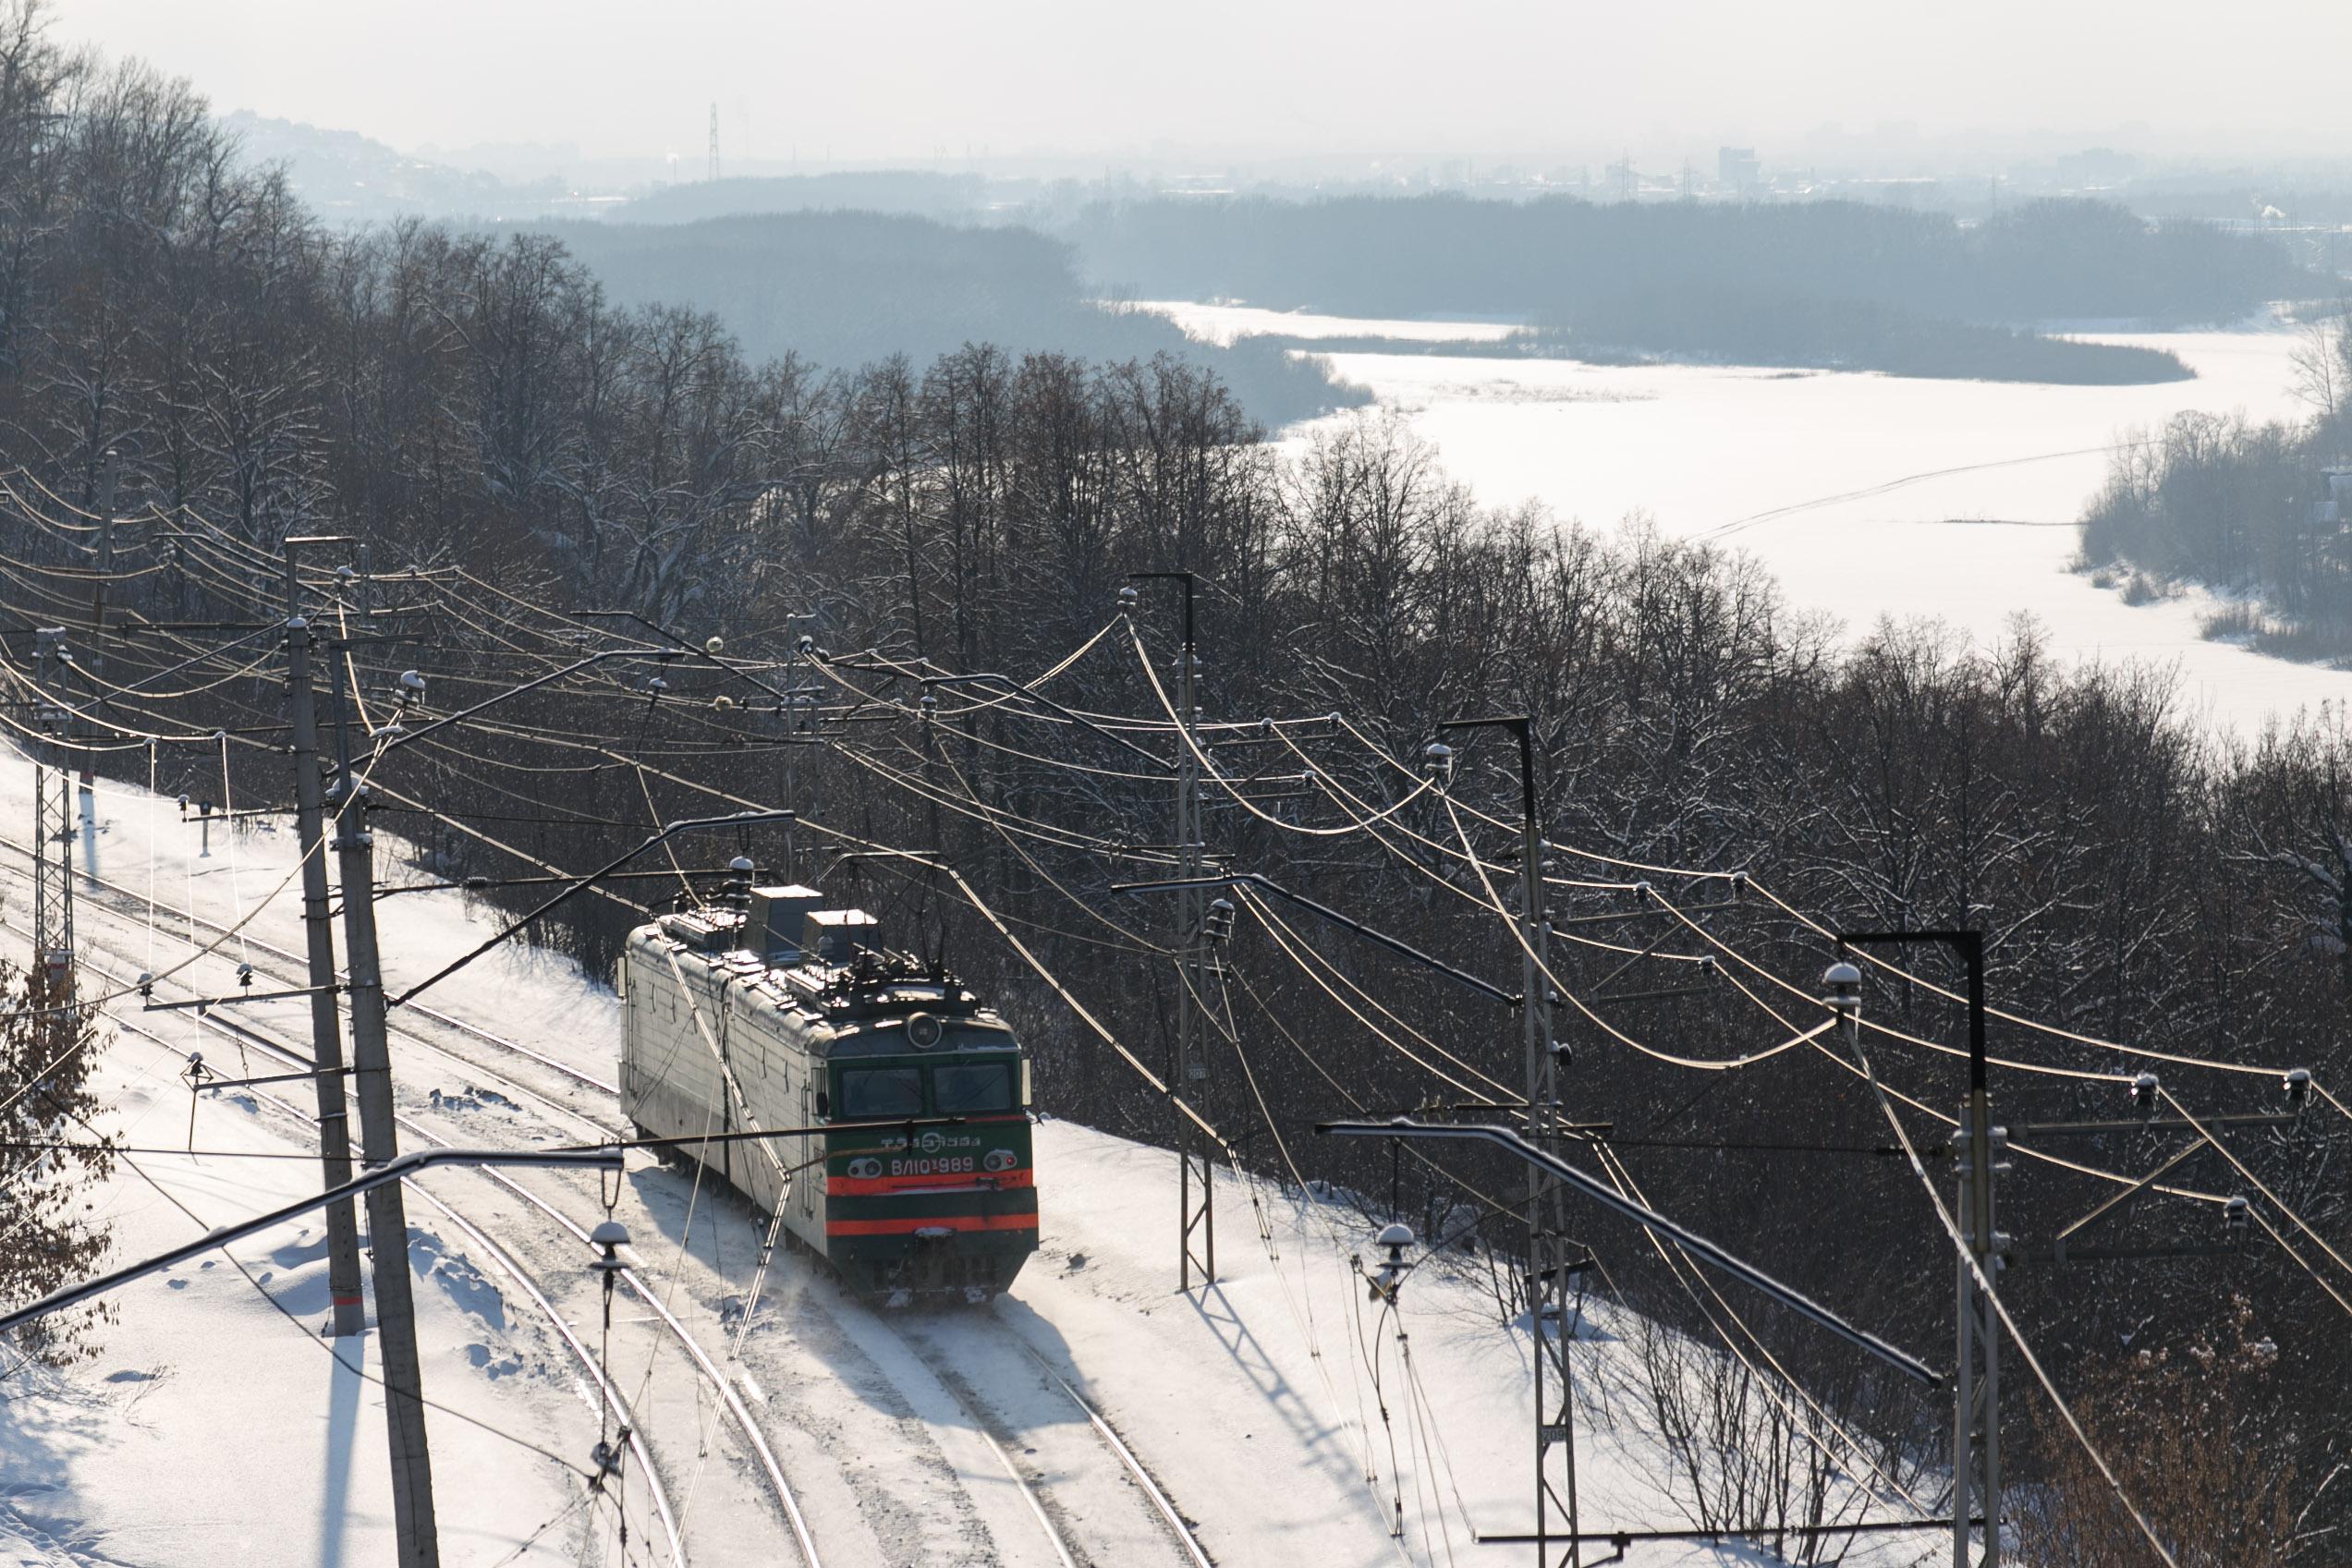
2246,508
480,404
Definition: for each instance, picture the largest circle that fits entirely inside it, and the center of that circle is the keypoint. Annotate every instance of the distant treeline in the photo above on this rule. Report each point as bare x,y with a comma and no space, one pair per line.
840,289
1828,283
1753,329
922,192
2245,508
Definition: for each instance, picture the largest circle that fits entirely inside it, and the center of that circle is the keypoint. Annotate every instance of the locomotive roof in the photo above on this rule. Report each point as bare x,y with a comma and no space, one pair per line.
856,1008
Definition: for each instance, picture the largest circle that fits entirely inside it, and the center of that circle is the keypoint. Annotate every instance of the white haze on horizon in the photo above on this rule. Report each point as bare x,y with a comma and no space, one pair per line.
929,80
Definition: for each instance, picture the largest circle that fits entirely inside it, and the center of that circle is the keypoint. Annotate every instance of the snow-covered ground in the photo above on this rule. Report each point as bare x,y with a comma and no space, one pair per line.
217,1426
1866,494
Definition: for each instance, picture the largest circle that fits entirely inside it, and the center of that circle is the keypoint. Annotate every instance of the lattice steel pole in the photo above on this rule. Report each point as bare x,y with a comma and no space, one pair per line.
53,886
1976,1419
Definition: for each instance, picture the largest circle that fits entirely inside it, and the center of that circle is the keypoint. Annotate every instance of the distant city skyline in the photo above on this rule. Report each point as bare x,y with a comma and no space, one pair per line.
1220,79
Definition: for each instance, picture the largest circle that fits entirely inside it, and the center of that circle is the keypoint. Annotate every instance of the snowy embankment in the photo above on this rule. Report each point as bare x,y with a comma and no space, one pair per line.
1278,1411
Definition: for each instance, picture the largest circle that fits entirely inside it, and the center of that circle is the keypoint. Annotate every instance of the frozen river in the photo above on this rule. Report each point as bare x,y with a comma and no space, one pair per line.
1867,496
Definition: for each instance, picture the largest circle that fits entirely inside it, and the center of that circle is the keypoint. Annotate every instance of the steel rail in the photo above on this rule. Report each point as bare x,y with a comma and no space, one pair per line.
651,1299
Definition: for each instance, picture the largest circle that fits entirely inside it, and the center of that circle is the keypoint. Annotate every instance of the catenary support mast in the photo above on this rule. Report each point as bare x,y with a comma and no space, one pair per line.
1976,1372
318,930
418,1542
1196,1190
1549,1270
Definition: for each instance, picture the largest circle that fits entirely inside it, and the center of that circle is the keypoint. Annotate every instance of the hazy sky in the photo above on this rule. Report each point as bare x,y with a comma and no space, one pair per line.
1492,77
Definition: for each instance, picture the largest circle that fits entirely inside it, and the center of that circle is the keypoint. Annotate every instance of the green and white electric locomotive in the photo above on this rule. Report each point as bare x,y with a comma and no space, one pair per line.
817,1022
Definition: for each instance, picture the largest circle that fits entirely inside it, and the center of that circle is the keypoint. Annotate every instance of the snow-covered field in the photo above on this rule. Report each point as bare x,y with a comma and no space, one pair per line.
1867,496
216,1427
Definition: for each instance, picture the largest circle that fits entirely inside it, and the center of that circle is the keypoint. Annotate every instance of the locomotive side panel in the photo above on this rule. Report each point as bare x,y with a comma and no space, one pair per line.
760,1055
670,1086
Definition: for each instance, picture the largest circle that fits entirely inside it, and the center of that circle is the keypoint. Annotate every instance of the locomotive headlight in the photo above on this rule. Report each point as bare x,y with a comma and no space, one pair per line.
1000,1159
865,1169
923,1031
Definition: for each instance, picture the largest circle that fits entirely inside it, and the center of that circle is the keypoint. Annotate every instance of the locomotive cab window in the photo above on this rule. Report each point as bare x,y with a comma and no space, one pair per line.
969,1089
880,1091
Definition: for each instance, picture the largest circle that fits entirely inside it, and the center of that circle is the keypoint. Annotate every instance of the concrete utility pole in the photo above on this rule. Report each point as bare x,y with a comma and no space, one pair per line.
1547,1269
318,930
1196,1214
418,1541
106,550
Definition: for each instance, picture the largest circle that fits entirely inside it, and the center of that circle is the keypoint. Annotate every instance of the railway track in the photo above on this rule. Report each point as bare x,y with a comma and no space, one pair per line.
521,1278
504,1259
299,974
996,1431
973,1341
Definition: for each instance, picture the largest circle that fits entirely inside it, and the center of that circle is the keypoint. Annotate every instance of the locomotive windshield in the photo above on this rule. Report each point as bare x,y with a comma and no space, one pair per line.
882,1091
959,1089
967,1089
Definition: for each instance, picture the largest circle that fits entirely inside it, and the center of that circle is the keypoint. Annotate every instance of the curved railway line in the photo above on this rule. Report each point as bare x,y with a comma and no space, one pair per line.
1176,1533
302,966
502,1258
512,1268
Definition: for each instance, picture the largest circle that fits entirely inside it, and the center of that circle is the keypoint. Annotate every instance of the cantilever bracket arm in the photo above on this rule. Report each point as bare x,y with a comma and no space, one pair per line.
1346,922
581,885
461,715
1015,688
1651,1220
203,1003
695,650
2133,1193
394,1170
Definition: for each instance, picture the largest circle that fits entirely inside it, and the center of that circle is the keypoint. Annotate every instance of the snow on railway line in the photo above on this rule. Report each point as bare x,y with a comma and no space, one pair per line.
1251,1414
922,1474
534,1278
875,1522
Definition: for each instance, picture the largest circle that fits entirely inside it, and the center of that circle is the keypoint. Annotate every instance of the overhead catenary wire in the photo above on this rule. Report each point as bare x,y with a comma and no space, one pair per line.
998,826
